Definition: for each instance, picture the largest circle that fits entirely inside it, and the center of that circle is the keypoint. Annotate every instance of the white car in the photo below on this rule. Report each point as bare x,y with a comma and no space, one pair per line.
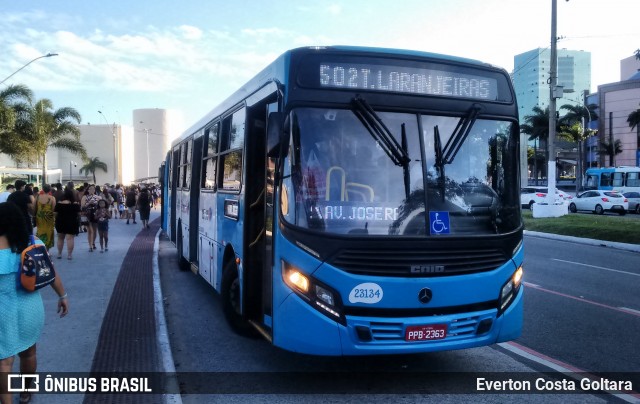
531,195
599,202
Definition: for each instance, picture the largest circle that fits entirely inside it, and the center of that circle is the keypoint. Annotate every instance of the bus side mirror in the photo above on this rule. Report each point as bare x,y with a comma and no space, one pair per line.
277,135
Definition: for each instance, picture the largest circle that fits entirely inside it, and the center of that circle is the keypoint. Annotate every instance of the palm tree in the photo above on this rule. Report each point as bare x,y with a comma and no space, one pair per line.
12,101
40,127
92,165
634,120
611,150
537,127
573,129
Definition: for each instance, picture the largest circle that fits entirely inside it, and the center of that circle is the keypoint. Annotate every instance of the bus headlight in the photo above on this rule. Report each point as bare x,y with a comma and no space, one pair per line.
510,290
318,295
297,280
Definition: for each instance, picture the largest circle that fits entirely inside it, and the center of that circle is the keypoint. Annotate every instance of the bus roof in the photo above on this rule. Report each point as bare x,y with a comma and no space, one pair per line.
278,70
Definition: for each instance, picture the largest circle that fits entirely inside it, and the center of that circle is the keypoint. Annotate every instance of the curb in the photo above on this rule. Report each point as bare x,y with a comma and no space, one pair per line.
164,346
588,241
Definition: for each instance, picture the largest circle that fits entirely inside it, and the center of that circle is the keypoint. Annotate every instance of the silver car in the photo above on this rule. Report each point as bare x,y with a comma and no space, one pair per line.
634,201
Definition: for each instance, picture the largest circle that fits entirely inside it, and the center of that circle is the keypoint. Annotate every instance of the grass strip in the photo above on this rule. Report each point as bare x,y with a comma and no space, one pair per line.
599,227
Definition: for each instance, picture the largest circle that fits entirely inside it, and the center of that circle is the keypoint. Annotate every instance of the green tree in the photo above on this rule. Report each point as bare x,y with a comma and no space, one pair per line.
91,165
536,126
41,127
611,150
637,53
573,129
634,120
13,100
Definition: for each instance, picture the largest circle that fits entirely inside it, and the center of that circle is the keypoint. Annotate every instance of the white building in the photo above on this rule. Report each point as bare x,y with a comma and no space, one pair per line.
131,154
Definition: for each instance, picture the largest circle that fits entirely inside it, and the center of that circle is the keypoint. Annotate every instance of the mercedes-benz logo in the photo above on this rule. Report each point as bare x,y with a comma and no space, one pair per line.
425,295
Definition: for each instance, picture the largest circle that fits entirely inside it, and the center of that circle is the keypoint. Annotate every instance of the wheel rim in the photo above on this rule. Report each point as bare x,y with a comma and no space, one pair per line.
234,295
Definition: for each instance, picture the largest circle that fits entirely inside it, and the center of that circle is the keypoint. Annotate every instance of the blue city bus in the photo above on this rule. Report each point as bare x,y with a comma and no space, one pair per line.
357,201
621,179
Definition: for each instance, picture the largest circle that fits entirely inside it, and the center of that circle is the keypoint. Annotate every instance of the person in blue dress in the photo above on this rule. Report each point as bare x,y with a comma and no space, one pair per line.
21,312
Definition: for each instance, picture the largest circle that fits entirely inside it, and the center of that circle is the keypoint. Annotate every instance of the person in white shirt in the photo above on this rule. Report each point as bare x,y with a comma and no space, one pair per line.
4,195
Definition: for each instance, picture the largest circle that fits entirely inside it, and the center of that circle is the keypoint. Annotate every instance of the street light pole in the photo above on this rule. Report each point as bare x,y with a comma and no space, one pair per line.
553,81
48,55
75,165
146,131
115,150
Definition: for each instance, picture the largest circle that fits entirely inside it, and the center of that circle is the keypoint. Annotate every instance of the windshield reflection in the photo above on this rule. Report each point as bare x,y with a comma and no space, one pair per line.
339,179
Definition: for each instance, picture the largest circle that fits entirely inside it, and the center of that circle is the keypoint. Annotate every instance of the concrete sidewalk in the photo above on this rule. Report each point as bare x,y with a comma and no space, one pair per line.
111,323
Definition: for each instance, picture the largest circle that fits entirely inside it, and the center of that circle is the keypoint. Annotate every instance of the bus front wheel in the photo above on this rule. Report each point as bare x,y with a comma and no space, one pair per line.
230,294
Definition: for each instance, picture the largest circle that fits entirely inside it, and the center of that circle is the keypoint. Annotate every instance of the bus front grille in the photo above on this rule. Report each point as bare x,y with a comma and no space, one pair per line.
418,263
393,331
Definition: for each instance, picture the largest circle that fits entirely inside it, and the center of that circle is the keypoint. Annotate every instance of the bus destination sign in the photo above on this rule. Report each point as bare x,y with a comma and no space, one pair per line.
405,79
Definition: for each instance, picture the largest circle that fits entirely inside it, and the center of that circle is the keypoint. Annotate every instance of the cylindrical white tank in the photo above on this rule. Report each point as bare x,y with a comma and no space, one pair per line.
150,142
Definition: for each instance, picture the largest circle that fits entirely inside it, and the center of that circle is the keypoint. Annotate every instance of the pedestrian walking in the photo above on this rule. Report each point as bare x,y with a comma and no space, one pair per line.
9,190
22,314
89,204
106,195
44,208
24,202
102,216
67,214
144,207
130,202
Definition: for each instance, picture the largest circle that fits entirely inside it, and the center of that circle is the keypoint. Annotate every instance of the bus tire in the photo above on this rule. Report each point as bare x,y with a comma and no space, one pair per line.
183,264
230,294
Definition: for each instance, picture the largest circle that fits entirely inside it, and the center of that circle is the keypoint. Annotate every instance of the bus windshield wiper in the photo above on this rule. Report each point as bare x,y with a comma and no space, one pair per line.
437,145
459,135
380,132
383,136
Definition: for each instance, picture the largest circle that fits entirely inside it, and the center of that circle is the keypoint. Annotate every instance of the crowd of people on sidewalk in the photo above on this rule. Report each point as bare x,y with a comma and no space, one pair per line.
69,211
26,210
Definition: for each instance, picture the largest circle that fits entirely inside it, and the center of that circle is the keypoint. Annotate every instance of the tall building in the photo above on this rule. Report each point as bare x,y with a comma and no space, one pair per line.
531,82
617,102
531,75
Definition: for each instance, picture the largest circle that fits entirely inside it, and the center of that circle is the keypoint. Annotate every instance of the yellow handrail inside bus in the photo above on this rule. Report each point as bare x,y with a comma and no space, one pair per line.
343,180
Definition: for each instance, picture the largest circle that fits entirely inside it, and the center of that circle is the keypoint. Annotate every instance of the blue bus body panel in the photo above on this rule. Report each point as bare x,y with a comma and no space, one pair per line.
301,328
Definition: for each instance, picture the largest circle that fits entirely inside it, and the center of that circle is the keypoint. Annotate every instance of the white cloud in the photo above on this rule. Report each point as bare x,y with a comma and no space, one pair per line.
191,32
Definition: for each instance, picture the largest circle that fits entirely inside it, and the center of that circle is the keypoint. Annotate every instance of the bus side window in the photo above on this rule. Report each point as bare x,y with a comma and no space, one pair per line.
231,153
605,180
210,158
633,179
618,179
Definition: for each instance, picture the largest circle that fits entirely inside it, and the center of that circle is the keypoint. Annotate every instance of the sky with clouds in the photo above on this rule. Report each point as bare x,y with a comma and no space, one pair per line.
189,55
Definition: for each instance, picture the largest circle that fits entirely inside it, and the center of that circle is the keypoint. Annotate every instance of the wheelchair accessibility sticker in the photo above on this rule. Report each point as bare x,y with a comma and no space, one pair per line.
439,222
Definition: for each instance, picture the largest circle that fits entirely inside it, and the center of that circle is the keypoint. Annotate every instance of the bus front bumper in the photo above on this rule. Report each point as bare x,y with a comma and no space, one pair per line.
300,328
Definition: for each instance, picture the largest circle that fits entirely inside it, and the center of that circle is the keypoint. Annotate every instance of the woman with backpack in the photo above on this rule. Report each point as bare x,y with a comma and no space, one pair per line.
22,314
89,205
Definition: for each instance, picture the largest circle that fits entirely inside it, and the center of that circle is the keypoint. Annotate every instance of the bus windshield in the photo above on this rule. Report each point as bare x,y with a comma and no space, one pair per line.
340,178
